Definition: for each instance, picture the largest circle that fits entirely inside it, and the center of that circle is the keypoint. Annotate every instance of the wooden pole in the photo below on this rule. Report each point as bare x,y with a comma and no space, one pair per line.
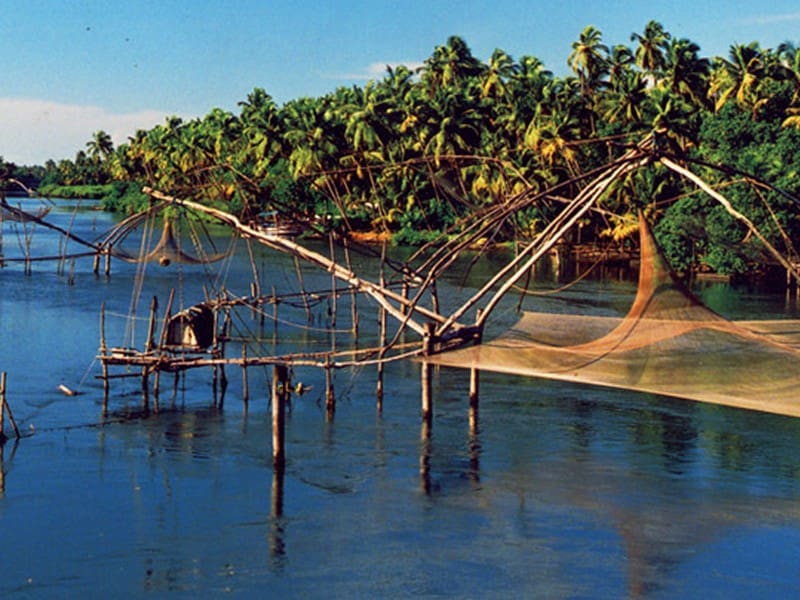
149,344
334,301
353,293
427,374
274,316
474,388
279,384
103,353
245,388
330,397
5,404
2,405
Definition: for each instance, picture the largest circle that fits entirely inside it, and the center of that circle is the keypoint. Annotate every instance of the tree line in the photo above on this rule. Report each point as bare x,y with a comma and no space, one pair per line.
414,153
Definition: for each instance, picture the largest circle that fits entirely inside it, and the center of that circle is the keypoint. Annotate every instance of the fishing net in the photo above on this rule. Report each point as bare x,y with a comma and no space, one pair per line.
669,343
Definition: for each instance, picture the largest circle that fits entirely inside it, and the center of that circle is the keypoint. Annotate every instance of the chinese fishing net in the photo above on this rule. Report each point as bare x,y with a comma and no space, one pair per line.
669,343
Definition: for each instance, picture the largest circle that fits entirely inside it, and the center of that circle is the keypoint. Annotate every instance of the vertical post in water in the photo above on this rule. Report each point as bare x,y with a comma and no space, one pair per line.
330,397
333,301
279,383
274,316
426,374
382,338
2,405
245,387
353,292
150,344
474,387
103,353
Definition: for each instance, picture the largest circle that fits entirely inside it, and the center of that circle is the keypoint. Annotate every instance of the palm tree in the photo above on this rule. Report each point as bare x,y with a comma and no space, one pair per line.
450,65
588,59
624,103
685,73
650,50
738,76
100,146
619,64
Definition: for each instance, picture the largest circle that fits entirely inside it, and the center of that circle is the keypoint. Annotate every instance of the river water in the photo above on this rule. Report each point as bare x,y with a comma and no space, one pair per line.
564,491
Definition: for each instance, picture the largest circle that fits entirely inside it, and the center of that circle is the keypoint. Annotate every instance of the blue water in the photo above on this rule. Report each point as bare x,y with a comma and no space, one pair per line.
562,492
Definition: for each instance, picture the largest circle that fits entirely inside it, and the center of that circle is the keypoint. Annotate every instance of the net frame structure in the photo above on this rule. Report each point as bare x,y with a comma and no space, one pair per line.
669,343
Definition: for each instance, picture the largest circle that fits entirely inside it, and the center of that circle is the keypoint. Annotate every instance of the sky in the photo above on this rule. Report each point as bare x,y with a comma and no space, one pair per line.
72,67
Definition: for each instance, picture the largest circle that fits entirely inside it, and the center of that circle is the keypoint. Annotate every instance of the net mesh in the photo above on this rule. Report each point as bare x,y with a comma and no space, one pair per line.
669,343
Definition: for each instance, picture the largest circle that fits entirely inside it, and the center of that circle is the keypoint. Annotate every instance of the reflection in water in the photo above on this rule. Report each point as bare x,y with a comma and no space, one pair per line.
277,535
559,491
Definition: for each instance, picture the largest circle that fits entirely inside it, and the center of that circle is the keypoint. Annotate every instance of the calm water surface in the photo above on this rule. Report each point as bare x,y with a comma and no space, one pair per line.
565,491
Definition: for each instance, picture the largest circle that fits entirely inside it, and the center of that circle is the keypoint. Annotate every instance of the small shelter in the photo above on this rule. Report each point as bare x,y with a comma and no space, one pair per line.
191,329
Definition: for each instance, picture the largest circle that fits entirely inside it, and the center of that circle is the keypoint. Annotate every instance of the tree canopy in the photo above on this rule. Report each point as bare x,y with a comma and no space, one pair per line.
415,152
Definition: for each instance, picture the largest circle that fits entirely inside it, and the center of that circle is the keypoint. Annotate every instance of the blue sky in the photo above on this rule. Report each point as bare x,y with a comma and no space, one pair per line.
72,67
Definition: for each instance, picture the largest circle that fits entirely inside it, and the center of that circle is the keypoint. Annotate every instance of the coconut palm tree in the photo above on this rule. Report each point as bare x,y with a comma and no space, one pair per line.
738,76
685,72
649,52
100,146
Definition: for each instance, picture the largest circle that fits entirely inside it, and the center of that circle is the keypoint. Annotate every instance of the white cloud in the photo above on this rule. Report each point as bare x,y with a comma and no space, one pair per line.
33,131
375,71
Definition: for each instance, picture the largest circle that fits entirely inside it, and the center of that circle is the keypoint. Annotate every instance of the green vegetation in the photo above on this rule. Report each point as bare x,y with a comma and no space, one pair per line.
414,153
51,190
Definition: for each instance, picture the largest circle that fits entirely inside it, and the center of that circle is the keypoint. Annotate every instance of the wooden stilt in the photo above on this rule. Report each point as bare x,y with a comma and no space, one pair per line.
381,342
334,300
353,294
274,316
108,261
245,388
474,387
279,384
103,353
330,397
4,407
426,375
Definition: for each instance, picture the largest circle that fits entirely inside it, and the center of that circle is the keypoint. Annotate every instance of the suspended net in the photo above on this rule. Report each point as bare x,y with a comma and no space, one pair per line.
169,250
669,343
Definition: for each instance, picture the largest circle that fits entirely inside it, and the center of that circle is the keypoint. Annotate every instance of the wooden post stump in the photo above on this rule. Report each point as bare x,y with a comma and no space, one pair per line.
279,386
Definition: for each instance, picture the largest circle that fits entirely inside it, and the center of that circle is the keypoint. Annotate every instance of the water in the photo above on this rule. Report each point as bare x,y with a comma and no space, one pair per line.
565,491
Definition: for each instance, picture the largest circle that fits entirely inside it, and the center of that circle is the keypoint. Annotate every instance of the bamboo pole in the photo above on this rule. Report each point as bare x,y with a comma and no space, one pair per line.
381,295
279,383
149,343
333,299
103,355
245,387
2,406
7,407
353,295
474,389
274,316
427,374
381,345
790,268
330,397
